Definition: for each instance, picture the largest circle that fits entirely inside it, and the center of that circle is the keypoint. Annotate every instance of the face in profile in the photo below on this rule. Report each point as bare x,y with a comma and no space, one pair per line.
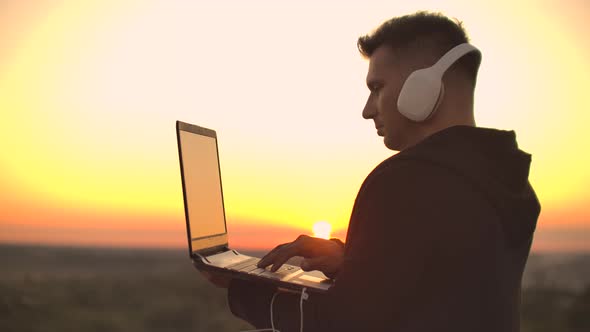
385,80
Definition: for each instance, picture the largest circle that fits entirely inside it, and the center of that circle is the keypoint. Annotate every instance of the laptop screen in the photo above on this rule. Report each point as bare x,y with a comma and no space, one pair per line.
203,196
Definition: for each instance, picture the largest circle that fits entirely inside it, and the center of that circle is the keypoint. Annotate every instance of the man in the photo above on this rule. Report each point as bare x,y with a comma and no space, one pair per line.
440,232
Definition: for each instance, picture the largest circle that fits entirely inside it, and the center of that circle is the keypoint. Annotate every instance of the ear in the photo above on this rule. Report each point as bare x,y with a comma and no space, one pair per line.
420,94
423,90
441,97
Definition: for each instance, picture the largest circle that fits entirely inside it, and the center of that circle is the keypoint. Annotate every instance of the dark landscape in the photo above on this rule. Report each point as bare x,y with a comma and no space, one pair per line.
89,289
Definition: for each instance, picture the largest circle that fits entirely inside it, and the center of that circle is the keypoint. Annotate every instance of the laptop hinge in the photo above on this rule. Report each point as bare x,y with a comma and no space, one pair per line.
212,251
202,257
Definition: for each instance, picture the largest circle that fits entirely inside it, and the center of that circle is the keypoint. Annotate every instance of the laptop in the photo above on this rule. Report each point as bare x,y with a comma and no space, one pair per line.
206,227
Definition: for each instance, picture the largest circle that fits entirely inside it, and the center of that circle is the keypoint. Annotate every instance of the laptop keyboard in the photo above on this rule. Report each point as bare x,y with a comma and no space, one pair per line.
249,266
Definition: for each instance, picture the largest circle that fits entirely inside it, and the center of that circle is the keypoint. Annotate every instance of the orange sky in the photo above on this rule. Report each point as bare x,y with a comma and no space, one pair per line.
90,90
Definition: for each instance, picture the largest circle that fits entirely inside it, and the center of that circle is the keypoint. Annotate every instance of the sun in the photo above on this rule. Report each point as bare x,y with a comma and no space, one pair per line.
322,229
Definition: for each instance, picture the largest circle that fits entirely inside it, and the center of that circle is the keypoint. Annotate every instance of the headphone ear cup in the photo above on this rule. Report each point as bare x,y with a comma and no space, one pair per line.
439,100
419,95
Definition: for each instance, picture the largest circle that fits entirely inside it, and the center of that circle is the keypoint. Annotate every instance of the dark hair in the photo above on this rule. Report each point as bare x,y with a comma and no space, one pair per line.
422,33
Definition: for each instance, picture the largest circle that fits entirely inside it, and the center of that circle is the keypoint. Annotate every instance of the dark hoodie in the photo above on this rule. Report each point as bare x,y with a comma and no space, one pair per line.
437,241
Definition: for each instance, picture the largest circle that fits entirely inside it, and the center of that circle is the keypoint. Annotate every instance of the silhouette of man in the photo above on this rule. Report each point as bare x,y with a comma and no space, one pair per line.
440,232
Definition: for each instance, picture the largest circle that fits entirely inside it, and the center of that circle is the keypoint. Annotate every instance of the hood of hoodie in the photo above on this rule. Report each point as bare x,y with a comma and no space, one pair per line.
490,160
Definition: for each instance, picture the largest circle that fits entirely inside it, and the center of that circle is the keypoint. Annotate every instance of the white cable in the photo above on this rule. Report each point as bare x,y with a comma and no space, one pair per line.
272,323
304,296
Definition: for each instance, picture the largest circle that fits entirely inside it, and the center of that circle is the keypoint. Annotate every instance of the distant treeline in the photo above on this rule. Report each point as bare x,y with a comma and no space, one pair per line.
86,289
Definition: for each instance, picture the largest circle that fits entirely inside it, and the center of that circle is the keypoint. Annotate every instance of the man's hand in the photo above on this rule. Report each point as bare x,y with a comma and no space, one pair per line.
320,254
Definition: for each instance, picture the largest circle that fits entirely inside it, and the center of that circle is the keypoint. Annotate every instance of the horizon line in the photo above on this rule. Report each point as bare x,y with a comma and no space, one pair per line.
238,248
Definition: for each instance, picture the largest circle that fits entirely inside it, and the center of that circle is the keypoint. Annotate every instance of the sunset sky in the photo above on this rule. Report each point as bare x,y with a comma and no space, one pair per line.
90,91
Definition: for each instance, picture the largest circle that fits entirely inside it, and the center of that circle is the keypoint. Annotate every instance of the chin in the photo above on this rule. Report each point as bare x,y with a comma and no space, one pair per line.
392,145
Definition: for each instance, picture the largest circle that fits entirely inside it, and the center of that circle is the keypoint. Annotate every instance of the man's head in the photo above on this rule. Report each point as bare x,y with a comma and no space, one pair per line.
399,47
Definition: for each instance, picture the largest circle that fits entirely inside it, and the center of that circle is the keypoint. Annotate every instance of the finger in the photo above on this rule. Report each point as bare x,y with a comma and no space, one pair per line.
281,259
317,263
270,257
285,254
279,255
329,265
295,248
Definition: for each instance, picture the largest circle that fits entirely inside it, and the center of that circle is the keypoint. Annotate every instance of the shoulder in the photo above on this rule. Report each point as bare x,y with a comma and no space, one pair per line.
410,199
419,187
400,174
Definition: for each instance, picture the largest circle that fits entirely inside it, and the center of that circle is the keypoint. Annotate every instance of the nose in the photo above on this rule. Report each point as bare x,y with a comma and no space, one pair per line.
369,111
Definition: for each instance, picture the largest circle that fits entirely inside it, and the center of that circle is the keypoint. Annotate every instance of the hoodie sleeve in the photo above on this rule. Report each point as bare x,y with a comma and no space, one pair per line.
407,245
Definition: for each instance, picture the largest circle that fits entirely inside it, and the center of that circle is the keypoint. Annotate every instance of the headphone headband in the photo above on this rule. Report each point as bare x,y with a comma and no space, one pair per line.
447,60
422,91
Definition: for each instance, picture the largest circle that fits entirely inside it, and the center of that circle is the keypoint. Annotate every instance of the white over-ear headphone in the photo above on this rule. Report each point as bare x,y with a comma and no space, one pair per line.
423,90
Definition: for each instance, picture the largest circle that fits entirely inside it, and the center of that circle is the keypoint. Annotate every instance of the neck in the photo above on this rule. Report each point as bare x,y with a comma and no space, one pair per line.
448,115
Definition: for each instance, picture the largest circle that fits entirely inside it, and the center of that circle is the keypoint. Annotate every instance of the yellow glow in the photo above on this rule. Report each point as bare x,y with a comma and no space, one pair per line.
90,90
322,229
